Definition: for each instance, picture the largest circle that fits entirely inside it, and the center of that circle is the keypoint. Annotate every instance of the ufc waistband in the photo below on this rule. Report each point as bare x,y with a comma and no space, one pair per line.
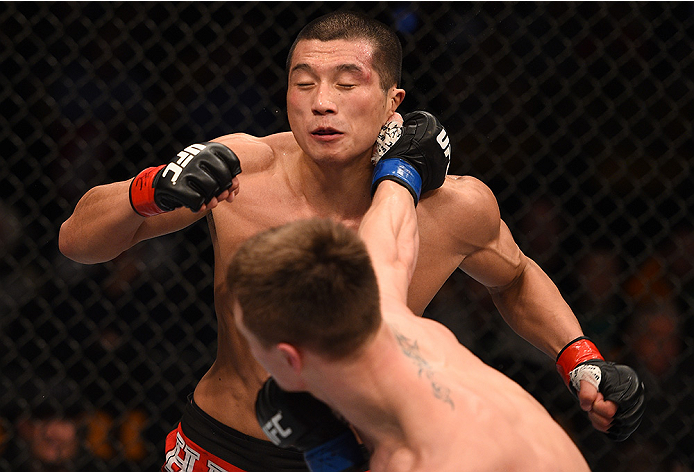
201,444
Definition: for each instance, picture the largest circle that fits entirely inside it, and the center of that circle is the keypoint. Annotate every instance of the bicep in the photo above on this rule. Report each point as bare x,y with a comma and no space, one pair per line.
490,254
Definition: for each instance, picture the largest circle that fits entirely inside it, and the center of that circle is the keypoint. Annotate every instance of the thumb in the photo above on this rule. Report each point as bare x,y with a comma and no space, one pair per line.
587,395
387,136
396,117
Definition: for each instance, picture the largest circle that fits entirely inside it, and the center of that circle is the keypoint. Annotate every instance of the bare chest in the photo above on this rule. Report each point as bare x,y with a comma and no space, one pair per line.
269,202
262,204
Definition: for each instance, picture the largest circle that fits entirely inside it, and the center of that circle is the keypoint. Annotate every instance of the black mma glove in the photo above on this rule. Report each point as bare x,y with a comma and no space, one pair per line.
420,157
301,421
581,360
197,174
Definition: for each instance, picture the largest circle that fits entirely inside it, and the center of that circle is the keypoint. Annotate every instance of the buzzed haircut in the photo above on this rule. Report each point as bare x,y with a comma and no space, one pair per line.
309,283
387,50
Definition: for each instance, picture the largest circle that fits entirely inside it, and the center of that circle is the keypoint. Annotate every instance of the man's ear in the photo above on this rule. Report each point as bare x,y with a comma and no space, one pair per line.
395,98
292,357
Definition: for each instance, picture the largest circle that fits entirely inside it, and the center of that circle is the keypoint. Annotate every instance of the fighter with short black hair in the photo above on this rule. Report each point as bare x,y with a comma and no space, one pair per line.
343,87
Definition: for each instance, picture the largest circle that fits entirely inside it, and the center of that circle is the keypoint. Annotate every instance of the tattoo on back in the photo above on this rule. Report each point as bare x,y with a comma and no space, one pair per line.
411,349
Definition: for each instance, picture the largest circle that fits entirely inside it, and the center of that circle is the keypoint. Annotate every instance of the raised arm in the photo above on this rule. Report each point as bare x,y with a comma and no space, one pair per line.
416,162
389,230
110,219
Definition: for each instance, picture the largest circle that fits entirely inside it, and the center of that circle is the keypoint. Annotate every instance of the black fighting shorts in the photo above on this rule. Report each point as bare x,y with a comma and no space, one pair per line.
201,444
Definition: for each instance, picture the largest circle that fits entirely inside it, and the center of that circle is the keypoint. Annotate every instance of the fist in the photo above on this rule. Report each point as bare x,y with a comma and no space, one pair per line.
612,395
301,421
617,403
295,419
417,156
198,174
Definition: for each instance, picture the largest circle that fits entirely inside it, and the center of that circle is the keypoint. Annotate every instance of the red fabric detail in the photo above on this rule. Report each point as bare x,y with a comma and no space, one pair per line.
576,353
142,192
183,455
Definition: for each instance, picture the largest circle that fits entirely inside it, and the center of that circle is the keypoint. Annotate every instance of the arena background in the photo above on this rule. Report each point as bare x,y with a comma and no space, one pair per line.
578,116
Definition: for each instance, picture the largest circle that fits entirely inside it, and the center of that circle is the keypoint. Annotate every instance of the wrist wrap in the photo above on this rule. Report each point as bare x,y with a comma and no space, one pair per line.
575,353
399,171
142,192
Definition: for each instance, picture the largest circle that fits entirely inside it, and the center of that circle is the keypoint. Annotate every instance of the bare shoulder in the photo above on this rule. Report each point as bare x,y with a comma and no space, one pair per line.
258,153
464,207
472,191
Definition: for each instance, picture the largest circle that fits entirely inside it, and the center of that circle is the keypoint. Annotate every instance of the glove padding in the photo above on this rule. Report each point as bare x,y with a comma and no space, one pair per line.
581,360
197,174
420,157
301,421
620,384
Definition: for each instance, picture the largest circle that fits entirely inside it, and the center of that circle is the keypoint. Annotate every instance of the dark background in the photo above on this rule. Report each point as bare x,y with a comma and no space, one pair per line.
578,116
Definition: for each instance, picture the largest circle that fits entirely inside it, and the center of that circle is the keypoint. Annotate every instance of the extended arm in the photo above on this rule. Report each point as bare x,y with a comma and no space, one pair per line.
111,218
389,230
531,304
415,162
526,297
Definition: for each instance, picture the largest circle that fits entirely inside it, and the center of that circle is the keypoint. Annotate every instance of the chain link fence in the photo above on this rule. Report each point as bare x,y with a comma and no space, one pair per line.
578,116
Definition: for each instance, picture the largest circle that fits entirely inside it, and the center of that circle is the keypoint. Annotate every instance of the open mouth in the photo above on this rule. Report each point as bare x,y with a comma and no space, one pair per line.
325,132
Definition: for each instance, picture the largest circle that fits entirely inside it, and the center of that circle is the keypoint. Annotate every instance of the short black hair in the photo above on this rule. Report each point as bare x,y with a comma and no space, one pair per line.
387,54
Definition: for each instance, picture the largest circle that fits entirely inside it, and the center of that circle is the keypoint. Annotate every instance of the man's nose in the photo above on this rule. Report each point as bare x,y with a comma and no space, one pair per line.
323,100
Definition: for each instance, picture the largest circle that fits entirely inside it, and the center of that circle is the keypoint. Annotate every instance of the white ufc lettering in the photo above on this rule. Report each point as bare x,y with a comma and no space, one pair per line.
185,463
184,157
443,141
274,430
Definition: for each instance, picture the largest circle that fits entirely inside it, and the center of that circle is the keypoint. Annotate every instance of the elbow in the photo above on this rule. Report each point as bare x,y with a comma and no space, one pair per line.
67,243
70,247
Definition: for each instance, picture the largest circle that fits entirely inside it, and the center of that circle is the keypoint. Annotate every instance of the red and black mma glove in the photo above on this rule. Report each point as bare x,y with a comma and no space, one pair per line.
299,420
420,157
581,360
197,174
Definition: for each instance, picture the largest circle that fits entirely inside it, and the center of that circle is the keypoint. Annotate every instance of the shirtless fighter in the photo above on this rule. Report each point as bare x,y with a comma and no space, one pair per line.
343,75
325,312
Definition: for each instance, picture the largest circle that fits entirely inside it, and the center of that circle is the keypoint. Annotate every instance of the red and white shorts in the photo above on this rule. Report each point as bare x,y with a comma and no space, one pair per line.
201,444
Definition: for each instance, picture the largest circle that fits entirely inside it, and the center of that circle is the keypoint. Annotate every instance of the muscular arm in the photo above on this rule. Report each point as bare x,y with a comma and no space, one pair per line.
526,297
389,230
532,305
104,225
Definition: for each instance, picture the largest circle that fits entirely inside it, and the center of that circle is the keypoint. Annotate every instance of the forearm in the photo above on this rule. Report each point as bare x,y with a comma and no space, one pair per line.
389,230
535,309
102,226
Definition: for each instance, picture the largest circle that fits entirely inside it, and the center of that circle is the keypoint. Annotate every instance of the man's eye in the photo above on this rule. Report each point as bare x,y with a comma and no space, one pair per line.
347,86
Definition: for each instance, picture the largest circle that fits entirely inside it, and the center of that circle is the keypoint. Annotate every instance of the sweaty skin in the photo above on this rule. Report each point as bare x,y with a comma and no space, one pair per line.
336,107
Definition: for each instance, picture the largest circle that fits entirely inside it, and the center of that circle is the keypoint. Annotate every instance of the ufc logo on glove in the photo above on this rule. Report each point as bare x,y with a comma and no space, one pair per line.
274,430
184,157
443,141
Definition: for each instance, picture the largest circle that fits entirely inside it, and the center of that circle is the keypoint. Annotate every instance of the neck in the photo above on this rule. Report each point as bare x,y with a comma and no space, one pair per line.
334,189
371,390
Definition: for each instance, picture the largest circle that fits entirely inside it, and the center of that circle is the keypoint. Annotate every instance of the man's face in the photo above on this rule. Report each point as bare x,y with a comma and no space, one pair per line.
335,102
